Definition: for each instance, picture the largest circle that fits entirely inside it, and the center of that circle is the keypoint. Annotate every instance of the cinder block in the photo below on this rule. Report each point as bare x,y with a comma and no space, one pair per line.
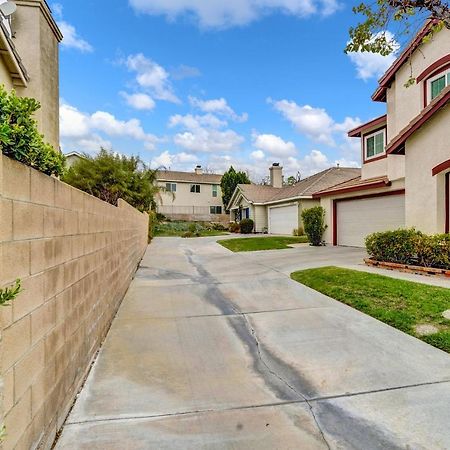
8,390
70,222
16,261
16,341
54,282
63,195
63,305
6,221
42,321
42,189
77,246
42,255
16,180
71,272
63,249
17,421
53,221
42,386
28,221
54,341
77,200
31,297
27,369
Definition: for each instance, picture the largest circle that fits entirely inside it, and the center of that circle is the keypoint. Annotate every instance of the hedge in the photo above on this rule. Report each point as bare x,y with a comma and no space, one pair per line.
409,246
246,226
314,224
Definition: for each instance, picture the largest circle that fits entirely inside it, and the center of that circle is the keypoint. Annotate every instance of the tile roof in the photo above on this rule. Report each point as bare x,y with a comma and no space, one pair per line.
442,100
189,177
353,185
304,188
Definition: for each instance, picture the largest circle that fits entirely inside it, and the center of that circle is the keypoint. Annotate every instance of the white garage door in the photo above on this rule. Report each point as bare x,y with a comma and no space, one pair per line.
283,219
358,218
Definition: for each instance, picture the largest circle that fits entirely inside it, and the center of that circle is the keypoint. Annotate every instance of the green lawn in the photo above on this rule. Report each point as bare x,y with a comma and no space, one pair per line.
401,304
179,228
261,243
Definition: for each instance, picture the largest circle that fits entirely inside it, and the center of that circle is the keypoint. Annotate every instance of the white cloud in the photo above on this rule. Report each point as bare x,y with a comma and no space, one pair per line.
274,145
82,130
142,102
217,106
223,14
258,155
316,123
204,133
182,71
152,77
169,160
373,65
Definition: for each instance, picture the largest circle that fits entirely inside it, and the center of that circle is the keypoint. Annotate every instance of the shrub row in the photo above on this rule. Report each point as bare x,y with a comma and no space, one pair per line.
409,246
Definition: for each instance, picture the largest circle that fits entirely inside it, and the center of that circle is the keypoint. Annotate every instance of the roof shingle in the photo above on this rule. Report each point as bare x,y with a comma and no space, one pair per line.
188,177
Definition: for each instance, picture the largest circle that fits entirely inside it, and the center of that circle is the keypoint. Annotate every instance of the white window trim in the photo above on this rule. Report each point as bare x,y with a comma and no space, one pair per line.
367,137
171,186
445,73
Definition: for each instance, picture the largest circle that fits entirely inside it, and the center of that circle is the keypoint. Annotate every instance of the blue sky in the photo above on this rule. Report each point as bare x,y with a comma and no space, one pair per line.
242,82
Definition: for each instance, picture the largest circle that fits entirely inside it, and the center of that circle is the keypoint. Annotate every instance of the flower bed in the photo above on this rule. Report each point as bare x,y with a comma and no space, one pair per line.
419,270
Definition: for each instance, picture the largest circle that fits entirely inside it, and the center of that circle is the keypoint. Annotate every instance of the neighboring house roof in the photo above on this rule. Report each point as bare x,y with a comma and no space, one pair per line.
396,145
356,184
188,177
357,132
12,59
79,155
386,80
263,194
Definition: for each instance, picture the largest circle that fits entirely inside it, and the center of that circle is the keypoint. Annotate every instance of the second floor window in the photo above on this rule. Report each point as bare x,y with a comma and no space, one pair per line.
215,190
171,187
195,188
374,144
438,83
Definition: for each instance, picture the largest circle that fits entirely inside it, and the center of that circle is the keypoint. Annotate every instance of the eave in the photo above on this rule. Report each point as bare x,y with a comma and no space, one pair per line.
12,59
358,131
363,186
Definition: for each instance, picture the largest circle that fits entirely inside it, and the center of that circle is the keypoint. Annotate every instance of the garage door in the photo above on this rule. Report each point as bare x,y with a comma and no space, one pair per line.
358,218
283,219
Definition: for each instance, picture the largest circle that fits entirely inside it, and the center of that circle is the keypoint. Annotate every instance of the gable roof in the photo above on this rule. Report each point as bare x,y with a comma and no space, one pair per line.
356,184
396,145
358,131
263,194
188,177
386,80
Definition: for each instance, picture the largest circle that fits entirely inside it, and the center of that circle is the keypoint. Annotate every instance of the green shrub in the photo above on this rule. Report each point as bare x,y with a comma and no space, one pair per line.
152,221
398,246
192,228
314,224
434,251
246,226
298,231
20,138
187,234
161,217
234,227
8,294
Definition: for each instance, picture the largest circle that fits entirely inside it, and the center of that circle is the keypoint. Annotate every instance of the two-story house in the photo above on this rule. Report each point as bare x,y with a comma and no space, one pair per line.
405,153
29,61
192,196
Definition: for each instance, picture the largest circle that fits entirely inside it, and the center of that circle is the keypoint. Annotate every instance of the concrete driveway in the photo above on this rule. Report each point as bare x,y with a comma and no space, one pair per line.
215,350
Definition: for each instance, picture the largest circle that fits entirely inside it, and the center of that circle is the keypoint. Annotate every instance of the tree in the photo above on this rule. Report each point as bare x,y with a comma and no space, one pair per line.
230,180
314,224
110,176
372,35
20,138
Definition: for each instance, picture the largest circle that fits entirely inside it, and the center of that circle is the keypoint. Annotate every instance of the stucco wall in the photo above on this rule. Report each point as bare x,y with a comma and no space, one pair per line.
184,196
428,147
5,76
260,216
37,45
404,103
76,256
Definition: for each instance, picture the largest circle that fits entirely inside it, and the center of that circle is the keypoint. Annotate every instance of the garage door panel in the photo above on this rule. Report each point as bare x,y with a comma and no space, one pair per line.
283,219
356,219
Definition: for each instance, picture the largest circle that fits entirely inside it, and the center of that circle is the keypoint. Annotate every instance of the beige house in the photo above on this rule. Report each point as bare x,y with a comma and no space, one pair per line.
405,154
276,208
29,60
192,196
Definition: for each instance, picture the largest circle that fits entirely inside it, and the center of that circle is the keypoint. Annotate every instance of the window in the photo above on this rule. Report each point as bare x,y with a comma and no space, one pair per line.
215,190
437,84
195,188
171,187
374,144
215,210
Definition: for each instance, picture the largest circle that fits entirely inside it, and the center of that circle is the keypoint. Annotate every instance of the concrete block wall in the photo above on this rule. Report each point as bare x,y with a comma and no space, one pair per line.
76,256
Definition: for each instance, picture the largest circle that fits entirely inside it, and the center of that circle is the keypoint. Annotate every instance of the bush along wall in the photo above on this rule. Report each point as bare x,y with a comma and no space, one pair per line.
20,138
314,224
409,246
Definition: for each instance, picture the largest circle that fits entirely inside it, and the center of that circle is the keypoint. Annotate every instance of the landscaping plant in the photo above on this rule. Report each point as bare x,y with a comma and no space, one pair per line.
314,224
234,227
230,180
110,176
8,294
20,138
246,226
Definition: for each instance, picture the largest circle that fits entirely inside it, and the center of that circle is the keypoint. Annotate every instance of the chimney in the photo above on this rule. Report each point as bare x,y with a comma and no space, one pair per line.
276,175
198,170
